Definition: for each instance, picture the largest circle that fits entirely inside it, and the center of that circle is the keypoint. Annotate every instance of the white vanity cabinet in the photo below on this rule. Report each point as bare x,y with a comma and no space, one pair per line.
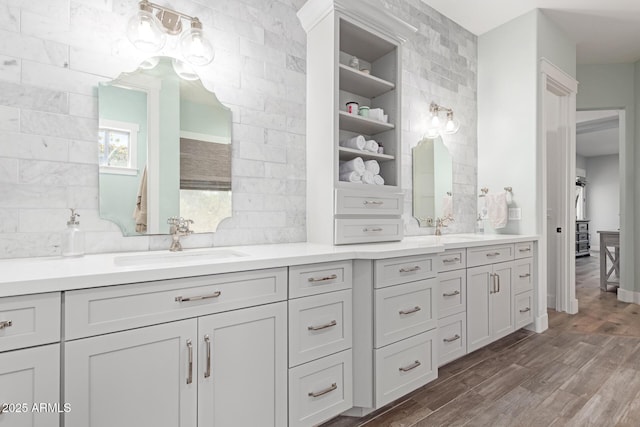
452,305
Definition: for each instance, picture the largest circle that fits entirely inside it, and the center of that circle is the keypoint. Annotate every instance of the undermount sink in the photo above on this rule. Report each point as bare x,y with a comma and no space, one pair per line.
200,255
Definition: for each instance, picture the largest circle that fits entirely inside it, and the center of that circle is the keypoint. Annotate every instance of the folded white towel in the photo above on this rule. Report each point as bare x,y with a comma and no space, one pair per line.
372,166
498,210
378,180
352,165
357,142
371,145
351,177
367,177
447,206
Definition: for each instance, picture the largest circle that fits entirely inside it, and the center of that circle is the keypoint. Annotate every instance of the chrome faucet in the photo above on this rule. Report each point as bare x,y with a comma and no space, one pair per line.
179,227
442,222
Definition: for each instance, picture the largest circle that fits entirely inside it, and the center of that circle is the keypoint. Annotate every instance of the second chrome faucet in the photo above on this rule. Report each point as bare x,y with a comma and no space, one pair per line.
179,227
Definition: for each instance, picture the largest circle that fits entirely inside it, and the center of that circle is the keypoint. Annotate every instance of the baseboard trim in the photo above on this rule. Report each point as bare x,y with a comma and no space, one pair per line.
625,295
573,306
540,324
357,411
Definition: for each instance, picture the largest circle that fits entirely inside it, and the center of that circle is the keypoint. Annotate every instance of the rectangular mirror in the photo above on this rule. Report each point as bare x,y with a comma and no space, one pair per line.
432,181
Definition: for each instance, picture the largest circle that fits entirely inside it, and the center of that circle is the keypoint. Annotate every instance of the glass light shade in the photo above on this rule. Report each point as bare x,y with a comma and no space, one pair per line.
434,126
451,126
196,49
184,70
145,32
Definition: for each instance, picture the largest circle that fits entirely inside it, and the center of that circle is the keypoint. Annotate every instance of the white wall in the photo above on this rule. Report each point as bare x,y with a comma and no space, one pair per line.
603,195
581,163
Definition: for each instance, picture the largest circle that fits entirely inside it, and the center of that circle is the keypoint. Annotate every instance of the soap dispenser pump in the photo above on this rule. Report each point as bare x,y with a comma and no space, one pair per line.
73,237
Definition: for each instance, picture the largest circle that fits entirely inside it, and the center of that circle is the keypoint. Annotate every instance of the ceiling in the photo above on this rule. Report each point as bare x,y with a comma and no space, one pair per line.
597,133
605,31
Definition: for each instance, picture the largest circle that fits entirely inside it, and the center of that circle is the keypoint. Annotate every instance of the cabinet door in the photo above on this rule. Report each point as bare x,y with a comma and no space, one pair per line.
500,305
137,378
242,373
28,377
479,286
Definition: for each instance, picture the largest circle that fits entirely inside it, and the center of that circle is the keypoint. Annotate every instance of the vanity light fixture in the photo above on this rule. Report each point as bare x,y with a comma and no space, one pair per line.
148,32
435,125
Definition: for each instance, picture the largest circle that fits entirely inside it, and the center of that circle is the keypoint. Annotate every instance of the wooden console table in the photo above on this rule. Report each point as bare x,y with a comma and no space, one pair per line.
609,249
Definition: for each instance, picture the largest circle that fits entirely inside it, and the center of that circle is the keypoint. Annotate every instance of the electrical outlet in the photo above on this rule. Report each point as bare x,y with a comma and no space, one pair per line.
515,214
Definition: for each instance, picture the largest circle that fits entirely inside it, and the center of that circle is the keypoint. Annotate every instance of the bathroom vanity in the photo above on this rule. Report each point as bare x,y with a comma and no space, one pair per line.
298,333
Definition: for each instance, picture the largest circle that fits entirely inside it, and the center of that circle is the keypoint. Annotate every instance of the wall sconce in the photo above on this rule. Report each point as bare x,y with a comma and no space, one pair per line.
148,32
436,126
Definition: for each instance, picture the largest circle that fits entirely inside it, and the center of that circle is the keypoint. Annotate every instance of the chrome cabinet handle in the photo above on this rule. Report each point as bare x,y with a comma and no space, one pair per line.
366,230
216,294
494,254
522,276
498,277
452,339
190,375
325,326
373,202
5,324
493,283
524,249
411,269
207,341
414,365
451,294
456,259
323,279
410,311
329,389
525,310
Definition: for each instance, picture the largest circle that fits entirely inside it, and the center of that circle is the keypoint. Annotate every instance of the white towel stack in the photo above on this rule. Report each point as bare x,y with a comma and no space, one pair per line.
357,170
353,165
357,143
371,145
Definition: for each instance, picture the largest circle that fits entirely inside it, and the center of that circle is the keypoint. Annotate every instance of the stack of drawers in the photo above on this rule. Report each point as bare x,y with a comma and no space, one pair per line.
320,339
405,321
523,284
452,305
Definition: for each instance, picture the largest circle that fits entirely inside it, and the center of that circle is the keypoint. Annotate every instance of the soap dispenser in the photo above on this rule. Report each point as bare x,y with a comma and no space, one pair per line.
73,237
479,225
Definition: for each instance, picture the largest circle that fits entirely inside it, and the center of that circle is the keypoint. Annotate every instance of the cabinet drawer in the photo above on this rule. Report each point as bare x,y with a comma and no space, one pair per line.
452,259
404,310
582,226
452,338
29,320
524,250
320,390
393,271
102,310
350,202
318,326
524,309
367,230
312,279
452,293
523,275
489,255
404,366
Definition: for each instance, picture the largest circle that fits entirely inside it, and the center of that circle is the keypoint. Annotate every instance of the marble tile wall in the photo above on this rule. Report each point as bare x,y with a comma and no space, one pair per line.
54,53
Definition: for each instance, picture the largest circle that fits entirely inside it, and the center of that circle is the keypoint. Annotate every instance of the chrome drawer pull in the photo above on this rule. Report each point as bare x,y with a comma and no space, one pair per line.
524,249
323,279
414,365
216,294
524,310
452,339
373,202
329,389
190,375
451,294
325,326
366,230
410,311
409,270
522,276
494,254
5,324
207,372
456,259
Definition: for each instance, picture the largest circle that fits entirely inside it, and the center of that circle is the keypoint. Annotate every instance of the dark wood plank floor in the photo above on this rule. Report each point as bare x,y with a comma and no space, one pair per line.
583,371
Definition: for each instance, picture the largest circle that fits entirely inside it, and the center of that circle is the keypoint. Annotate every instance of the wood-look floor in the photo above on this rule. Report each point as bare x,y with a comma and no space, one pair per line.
583,371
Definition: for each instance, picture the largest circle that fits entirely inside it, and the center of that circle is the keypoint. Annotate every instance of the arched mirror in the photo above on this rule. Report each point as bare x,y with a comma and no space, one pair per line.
432,181
164,150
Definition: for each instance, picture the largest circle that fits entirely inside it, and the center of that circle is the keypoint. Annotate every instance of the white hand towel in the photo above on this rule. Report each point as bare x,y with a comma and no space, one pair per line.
372,166
371,145
350,177
357,142
378,180
498,210
353,165
367,177
447,206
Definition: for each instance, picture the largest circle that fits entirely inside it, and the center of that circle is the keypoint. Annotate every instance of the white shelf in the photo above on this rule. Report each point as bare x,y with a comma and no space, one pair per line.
360,187
362,125
350,153
363,84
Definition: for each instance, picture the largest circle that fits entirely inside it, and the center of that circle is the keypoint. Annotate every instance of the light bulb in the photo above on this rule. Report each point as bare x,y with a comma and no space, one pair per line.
452,125
196,49
145,32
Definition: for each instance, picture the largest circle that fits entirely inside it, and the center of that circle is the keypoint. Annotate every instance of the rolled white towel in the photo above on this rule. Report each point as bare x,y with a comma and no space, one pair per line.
352,165
357,142
372,166
378,180
371,145
367,177
352,176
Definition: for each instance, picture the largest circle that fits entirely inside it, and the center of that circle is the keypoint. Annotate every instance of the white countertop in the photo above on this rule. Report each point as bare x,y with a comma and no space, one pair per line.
36,275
